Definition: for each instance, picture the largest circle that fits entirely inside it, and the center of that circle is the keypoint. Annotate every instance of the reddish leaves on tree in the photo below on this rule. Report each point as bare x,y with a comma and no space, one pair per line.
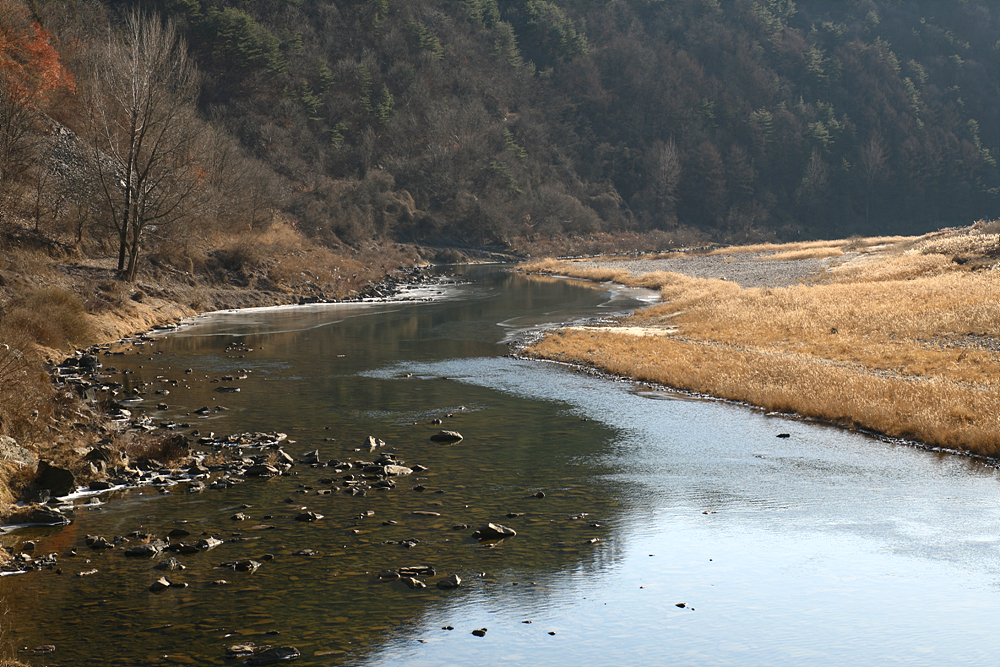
29,64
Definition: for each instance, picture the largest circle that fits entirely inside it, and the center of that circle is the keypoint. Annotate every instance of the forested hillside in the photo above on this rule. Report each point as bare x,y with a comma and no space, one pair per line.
482,121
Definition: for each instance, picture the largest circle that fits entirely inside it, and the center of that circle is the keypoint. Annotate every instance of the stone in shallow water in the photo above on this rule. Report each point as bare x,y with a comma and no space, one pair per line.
170,564
244,565
146,550
207,543
160,584
450,582
494,531
447,436
273,655
99,542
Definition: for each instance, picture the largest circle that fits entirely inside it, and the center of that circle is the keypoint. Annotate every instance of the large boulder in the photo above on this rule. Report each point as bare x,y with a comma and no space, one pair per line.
58,481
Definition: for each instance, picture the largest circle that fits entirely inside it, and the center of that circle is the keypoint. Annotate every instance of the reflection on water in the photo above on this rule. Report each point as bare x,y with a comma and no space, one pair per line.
823,548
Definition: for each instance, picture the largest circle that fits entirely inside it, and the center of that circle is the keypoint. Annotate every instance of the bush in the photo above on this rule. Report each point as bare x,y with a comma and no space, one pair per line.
146,447
49,316
26,392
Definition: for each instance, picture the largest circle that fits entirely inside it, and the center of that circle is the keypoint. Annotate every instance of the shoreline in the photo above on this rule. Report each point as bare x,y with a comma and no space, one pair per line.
685,394
863,337
96,400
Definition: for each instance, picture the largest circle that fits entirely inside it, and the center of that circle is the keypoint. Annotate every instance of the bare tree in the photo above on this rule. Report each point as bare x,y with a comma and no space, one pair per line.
144,131
18,142
875,165
666,171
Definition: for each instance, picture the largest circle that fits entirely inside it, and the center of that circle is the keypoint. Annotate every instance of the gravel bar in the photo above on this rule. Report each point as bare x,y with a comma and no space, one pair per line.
744,269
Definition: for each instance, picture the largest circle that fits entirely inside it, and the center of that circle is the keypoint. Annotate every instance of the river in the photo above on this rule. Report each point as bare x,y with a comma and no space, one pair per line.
670,531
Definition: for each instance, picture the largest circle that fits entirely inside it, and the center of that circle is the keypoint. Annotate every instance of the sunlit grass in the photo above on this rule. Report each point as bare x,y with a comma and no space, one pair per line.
900,339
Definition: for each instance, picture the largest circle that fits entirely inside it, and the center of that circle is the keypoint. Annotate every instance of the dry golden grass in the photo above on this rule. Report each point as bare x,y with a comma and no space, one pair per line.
818,246
805,253
900,340
930,410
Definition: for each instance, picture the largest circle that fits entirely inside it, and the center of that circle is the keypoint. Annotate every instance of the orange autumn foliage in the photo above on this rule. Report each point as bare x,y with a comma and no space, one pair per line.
30,66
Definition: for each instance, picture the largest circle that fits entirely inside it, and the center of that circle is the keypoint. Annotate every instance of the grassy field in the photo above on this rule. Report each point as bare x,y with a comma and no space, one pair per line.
897,335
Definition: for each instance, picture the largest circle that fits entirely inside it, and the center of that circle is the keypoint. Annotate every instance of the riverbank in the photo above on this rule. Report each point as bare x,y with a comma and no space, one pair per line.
58,305
893,335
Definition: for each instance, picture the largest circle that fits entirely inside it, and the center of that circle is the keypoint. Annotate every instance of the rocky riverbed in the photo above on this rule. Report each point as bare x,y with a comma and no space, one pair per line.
745,269
108,412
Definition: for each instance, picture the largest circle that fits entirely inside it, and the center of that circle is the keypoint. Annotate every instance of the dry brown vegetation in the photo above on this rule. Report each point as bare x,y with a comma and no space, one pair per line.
901,337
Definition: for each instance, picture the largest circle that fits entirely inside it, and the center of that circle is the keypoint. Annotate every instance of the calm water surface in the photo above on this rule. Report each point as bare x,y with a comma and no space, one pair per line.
825,548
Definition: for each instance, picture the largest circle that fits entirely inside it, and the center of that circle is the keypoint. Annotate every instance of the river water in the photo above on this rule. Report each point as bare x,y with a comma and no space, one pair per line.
671,531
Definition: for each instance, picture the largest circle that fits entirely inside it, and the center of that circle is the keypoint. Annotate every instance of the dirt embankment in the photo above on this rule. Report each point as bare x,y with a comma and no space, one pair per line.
893,335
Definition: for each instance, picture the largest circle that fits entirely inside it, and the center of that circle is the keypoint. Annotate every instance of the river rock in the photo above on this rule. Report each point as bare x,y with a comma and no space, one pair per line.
244,565
450,582
160,584
311,457
282,457
273,655
88,362
48,516
446,436
244,650
396,470
207,543
494,531
413,582
417,570
170,564
261,470
99,542
59,481
308,516
149,550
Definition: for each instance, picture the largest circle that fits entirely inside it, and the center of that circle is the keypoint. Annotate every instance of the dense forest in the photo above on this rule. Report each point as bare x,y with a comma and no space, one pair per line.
460,122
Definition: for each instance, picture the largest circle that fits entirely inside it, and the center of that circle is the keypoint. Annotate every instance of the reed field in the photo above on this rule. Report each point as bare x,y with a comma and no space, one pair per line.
900,336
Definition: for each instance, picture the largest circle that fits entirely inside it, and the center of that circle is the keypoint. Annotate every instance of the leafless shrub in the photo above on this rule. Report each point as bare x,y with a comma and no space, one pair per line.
26,392
147,447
